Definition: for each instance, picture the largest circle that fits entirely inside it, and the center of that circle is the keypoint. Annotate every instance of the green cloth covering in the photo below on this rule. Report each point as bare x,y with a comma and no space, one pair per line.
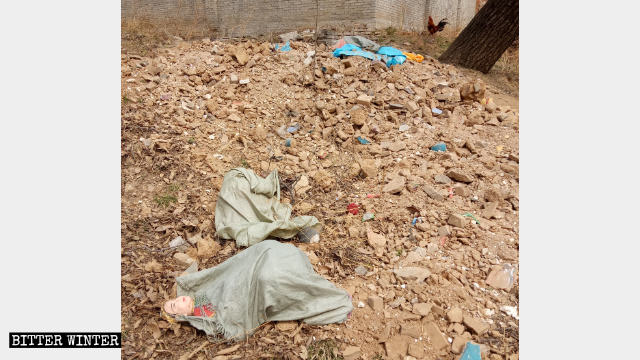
269,281
249,209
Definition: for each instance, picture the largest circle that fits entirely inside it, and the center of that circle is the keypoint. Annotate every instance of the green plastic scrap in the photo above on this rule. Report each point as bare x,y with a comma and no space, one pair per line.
473,217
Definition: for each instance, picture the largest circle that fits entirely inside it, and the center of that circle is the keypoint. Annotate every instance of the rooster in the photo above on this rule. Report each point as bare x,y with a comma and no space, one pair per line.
433,28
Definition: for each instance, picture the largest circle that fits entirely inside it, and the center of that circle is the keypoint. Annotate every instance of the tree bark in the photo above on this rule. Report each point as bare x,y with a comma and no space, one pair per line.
485,39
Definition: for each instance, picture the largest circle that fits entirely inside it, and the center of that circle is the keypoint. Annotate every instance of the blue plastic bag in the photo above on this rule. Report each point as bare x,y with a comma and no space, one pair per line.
286,47
471,352
439,147
352,50
392,56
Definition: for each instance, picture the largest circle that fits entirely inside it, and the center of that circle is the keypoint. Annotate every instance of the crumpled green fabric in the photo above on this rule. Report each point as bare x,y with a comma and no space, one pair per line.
249,209
270,281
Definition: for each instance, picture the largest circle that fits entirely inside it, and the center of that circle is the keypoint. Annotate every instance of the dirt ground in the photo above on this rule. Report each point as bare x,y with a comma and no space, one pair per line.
425,273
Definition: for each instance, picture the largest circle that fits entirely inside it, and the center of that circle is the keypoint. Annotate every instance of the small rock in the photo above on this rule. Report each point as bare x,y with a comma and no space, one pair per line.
412,106
233,78
478,326
433,193
422,309
491,106
473,90
456,220
351,353
458,328
240,55
412,273
438,341
508,253
442,179
395,185
364,99
458,344
416,349
234,117
493,195
396,146
183,258
459,176
397,347
211,106
411,329
376,303
361,270
455,315
375,240
461,190
368,167
358,116
490,210
501,277
437,310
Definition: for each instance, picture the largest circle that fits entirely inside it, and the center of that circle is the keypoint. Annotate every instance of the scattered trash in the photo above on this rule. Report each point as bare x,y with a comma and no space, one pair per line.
218,156
286,47
436,111
352,208
413,57
359,41
471,352
392,56
177,242
287,143
363,141
473,217
389,55
443,240
212,137
511,311
293,129
368,216
501,278
373,196
360,304
450,192
416,220
439,147
404,127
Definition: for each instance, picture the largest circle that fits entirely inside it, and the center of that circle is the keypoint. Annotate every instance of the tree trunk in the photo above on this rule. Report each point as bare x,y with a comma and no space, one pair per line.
488,35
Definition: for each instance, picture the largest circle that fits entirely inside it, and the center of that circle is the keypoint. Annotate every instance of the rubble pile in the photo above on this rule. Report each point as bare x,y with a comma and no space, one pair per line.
437,264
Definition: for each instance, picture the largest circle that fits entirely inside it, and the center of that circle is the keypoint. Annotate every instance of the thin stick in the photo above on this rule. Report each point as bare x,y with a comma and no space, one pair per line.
188,356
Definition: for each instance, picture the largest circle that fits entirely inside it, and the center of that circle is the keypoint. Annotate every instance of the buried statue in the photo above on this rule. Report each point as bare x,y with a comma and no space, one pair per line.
269,281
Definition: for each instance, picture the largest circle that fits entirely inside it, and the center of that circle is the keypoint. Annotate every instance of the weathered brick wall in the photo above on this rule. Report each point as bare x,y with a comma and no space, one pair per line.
413,14
255,17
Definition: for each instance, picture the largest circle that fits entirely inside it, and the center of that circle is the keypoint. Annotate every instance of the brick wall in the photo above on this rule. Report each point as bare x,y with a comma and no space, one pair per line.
254,17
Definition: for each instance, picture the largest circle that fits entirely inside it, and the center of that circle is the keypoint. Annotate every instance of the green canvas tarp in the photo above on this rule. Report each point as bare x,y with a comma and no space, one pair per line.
269,281
248,209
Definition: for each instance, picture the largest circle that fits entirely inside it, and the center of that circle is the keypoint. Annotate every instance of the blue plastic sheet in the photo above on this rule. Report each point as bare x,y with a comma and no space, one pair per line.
390,55
352,50
363,141
439,147
471,352
286,47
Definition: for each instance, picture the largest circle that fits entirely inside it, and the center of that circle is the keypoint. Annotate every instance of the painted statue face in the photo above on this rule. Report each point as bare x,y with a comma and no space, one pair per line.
182,305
